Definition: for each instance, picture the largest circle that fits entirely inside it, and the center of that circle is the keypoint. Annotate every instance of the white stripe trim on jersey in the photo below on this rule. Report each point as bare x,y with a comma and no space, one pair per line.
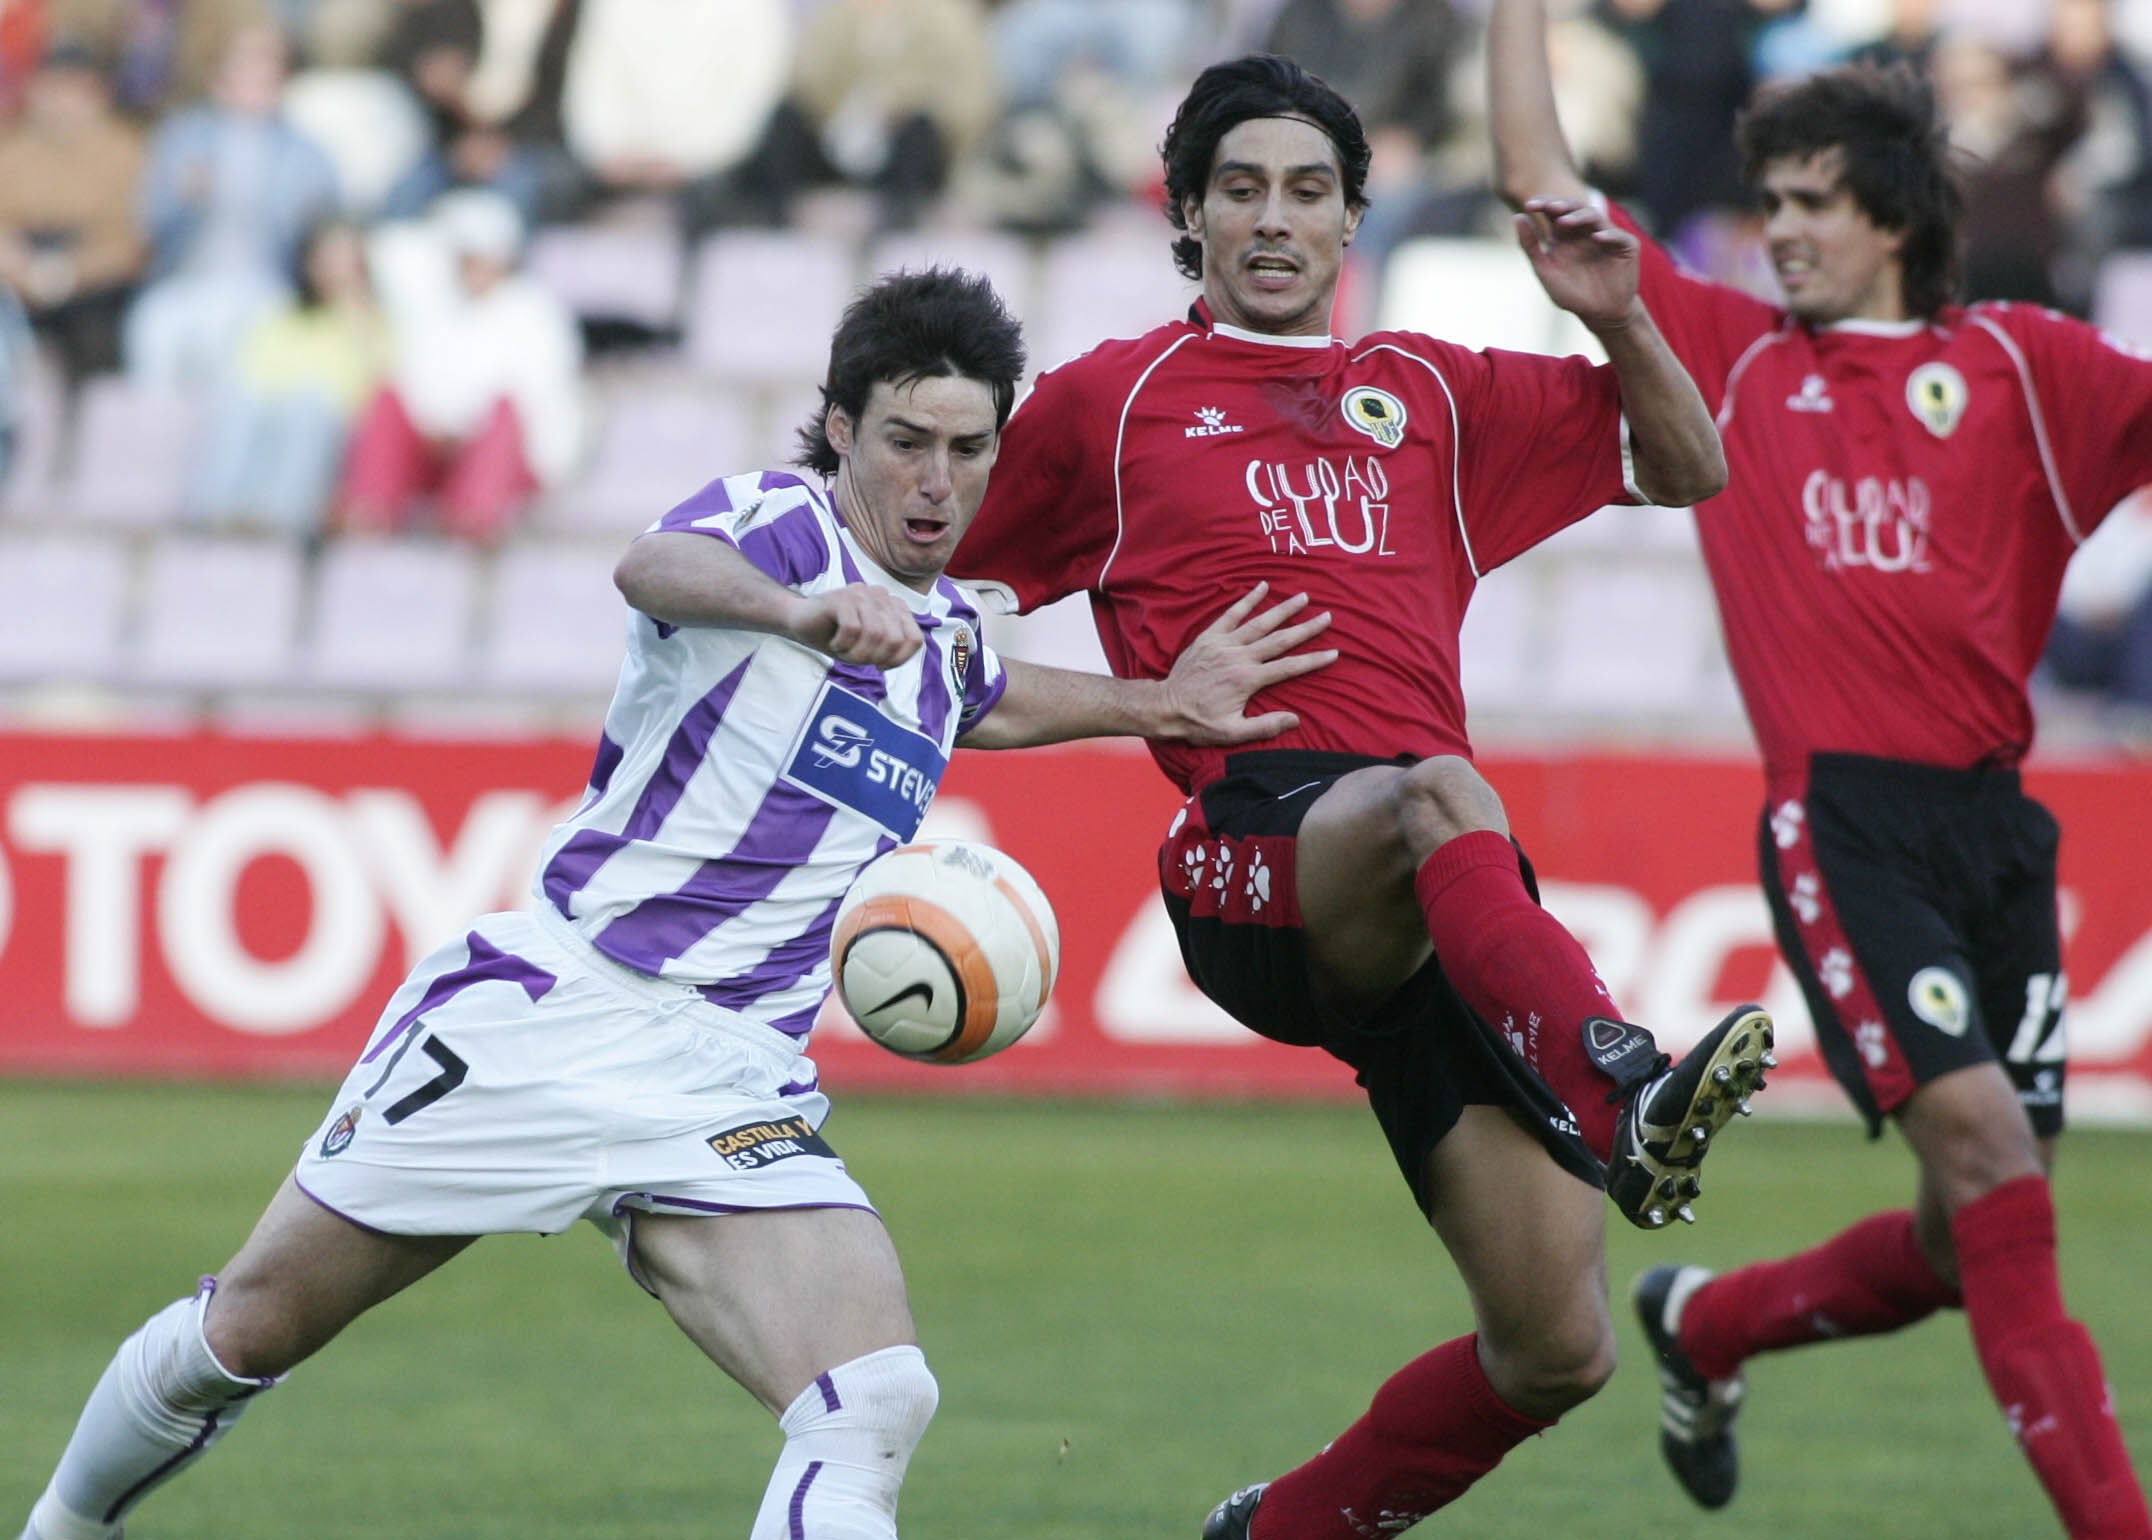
1120,437
1457,446
1733,375
2039,423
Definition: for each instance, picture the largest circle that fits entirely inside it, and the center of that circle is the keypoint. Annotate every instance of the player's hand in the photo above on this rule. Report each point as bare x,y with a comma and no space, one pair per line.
1235,658
1587,264
859,623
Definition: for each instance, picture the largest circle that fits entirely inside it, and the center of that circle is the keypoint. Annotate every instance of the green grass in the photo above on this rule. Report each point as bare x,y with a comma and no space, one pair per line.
1131,1310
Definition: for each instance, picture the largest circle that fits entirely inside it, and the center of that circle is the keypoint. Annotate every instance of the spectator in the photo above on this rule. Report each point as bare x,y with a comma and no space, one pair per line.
277,433
489,75
666,98
2104,186
1392,59
483,406
1697,77
231,191
1909,38
1082,81
70,245
1141,43
888,96
166,54
2011,126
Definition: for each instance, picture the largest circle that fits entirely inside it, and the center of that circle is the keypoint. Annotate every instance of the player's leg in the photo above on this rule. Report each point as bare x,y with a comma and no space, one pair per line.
1393,858
806,1309
179,1383
1528,1237
1980,1167
1824,887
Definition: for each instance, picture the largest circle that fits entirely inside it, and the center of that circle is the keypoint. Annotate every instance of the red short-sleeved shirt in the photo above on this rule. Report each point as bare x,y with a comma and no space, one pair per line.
1168,474
1903,500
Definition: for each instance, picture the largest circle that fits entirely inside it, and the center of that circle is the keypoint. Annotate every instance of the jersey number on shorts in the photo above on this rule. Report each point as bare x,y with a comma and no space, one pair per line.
2039,1038
453,1069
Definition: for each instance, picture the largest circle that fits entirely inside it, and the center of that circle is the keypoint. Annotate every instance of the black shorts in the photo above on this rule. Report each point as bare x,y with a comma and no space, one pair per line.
1916,906
1228,872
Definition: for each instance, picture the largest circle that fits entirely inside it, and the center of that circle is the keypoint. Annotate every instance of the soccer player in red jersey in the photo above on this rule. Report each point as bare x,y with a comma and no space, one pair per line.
1355,887
1908,479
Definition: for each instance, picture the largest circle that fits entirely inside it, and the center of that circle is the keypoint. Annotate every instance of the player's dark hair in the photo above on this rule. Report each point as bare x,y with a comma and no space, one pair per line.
1257,85
909,327
1897,161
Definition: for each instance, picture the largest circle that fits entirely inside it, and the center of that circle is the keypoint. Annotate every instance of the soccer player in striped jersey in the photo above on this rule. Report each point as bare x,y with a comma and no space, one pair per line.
1354,886
631,1049
1909,478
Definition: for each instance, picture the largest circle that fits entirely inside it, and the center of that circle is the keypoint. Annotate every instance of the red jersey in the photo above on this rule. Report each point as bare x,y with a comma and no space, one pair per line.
1903,500
1168,474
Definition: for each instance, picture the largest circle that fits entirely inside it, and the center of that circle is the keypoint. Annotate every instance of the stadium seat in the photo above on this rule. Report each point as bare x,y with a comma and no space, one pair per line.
1480,293
614,270
391,615
776,439
763,303
133,448
555,621
1112,282
63,606
1629,638
218,613
1002,259
26,480
2122,299
655,444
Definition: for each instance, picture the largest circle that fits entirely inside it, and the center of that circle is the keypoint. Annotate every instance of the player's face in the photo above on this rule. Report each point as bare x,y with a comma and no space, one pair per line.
912,470
1274,226
1833,262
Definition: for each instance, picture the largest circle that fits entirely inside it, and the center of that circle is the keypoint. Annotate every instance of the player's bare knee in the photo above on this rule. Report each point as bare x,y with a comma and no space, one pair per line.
249,1330
1545,1370
1439,799
1964,1155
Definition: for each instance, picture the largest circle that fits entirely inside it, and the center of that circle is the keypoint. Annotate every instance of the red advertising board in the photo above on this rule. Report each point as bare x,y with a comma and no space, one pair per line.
206,905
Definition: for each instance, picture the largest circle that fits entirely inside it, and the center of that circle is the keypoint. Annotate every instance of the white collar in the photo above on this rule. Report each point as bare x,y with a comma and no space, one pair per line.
1270,339
1866,328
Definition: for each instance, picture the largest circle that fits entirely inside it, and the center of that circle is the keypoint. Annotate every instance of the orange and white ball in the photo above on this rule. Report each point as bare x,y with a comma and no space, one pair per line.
944,951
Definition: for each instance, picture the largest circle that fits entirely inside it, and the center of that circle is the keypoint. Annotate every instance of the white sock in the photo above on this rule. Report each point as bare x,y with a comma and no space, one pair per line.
163,1400
848,1438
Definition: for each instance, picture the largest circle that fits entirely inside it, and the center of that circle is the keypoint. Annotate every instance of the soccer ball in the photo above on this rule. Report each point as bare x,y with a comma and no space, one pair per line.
944,951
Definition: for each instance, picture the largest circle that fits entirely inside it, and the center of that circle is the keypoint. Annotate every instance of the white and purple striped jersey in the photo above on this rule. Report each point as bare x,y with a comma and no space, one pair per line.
742,779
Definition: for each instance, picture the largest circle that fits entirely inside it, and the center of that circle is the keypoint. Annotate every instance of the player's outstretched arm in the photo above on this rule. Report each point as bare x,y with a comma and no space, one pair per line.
1532,158
696,580
1590,266
1203,700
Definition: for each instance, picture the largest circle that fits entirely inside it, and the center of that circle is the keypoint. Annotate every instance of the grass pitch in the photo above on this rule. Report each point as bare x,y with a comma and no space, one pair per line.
1131,1310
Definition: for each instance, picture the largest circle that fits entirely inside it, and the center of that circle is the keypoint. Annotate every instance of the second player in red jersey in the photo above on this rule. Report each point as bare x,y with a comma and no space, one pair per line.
1908,478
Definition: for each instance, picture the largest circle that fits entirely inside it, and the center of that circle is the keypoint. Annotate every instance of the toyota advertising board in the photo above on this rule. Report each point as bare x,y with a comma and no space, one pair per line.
206,906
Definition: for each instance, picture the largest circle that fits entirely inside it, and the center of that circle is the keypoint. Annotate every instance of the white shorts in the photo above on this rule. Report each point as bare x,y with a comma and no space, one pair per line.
519,1080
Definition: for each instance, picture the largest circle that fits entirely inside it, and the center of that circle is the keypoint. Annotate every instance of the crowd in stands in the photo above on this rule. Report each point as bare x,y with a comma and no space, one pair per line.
319,220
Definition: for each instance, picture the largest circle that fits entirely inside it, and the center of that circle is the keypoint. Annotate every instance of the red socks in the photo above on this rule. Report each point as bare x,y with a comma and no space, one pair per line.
1872,1278
2042,1365
1435,1427
1517,966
